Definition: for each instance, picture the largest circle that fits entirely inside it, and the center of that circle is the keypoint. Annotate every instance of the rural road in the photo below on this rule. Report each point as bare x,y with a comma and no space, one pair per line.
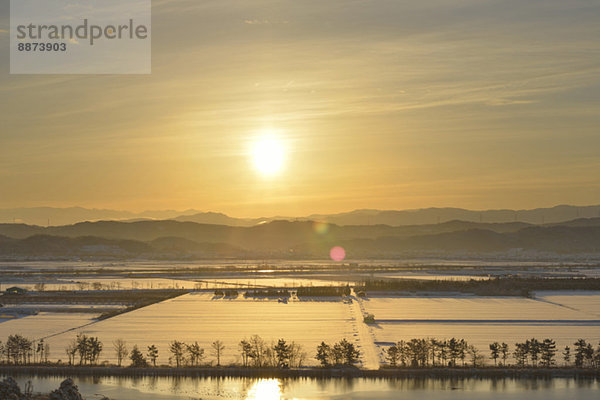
368,351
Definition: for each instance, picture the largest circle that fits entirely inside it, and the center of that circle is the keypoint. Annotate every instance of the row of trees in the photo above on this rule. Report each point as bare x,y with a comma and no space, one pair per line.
254,352
20,350
323,291
88,349
341,353
510,285
431,352
532,352
257,353
585,355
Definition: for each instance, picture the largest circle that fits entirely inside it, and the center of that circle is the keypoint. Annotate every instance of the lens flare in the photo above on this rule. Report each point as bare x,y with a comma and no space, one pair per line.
321,228
337,253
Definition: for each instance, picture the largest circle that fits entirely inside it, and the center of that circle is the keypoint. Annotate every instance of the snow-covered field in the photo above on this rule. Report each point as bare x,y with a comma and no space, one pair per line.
107,283
123,283
199,317
584,301
561,316
266,282
65,307
468,308
429,277
44,324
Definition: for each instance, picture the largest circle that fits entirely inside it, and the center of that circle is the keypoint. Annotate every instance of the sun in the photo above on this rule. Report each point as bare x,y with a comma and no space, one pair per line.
268,155
265,389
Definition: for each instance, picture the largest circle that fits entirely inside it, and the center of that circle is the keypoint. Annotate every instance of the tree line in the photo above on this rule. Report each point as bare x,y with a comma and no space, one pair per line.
256,352
506,285
21,350
341,353
431,352
253,352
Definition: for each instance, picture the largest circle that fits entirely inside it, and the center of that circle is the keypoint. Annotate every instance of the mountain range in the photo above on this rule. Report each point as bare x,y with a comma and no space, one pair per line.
49,216
170,239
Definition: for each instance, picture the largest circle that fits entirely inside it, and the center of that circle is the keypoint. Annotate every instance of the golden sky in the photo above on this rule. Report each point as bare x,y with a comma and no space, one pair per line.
385,104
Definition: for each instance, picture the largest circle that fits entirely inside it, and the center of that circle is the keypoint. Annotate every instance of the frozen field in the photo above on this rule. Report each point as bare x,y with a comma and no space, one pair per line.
107,284
266,282
483,320
429,277
468,308
584,301
123,283
197,317
563,316
44,324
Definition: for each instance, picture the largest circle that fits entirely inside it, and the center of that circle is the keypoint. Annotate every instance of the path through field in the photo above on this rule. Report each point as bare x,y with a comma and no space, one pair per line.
368,350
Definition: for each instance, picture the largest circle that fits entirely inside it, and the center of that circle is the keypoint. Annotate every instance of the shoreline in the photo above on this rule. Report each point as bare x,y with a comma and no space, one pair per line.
234,372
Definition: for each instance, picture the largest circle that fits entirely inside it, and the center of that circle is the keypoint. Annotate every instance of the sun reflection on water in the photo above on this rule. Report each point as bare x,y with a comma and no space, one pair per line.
265,389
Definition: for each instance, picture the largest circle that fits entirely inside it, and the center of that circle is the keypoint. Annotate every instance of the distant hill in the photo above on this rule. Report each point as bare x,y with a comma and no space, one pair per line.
58,246
44,216
556,214
295,239
220,219
263,235
423,216
64,216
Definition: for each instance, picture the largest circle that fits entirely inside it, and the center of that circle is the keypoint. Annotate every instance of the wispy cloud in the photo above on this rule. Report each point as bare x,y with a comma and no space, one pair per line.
396,94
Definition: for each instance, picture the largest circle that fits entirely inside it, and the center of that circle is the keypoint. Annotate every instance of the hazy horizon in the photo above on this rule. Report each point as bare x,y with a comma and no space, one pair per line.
191,211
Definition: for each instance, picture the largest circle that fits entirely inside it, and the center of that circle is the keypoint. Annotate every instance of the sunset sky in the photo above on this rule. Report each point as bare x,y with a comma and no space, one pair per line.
358,104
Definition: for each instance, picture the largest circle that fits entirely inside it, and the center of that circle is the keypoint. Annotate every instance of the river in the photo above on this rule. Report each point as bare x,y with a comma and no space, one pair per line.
163,388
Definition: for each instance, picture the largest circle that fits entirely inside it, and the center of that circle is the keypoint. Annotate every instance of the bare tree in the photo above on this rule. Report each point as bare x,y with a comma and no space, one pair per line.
195,352
71,351
258,352
476,358
245,350
46,352
297,355
218,348
121,351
